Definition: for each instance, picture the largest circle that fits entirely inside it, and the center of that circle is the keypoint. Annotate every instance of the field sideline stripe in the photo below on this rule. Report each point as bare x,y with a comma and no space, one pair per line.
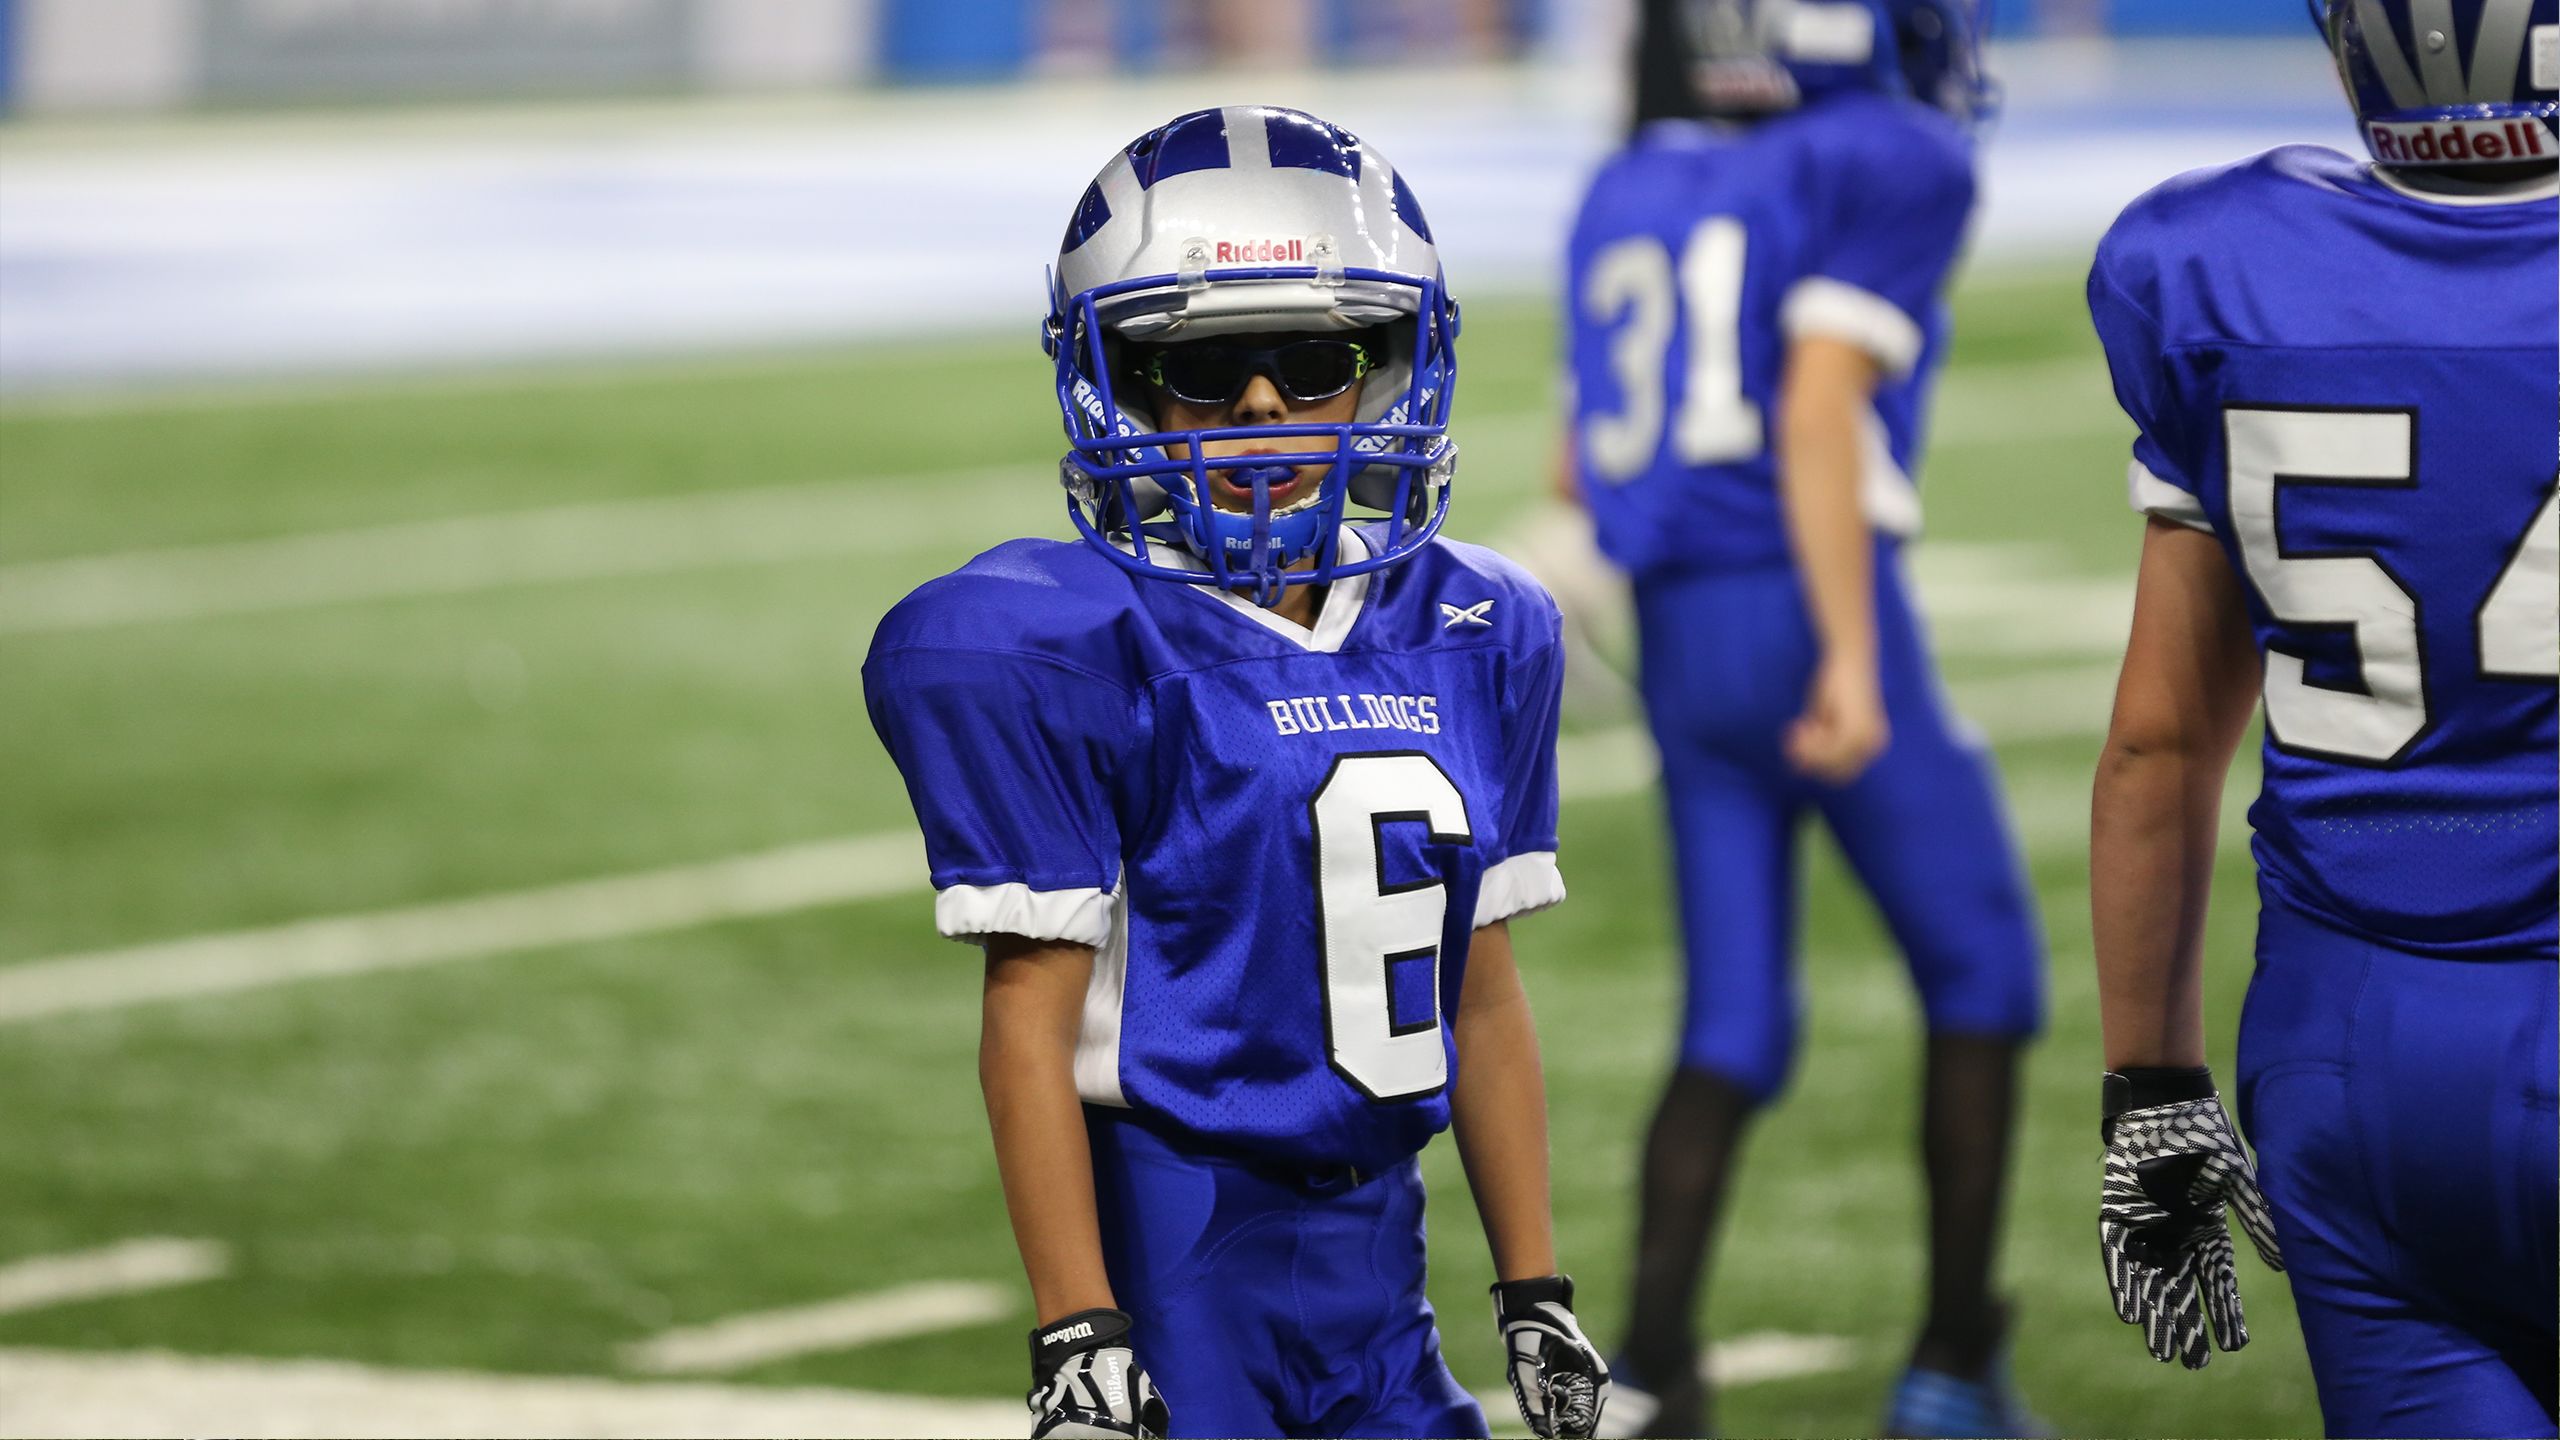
147,1392
772,882
471,553
125,1268
700,530
742,1342
2037,705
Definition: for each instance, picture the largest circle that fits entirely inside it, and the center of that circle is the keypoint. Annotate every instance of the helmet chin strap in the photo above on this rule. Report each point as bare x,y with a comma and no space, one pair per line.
1265,554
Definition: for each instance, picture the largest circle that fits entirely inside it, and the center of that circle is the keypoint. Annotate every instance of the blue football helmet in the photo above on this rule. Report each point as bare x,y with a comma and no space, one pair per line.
1250,220
1755,57
2449,84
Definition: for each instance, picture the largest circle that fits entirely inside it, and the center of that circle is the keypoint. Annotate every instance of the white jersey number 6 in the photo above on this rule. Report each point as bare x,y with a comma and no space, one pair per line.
1368,927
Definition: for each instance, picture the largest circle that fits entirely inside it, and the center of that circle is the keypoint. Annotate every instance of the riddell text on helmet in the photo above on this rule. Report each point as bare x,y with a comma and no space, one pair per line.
2459,142
1267,252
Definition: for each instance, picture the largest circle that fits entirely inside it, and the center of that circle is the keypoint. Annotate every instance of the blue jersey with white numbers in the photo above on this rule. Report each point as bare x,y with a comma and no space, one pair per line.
2353,388
1278,841
1700,251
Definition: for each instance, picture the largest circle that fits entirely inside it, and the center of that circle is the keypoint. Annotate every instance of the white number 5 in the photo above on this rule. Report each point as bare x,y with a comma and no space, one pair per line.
2517,625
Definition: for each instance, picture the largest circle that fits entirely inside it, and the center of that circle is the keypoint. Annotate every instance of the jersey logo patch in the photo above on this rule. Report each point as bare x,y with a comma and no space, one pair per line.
1466,615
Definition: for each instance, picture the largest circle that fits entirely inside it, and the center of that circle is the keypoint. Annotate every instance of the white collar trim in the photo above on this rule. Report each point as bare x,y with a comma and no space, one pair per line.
1342,603
2543,189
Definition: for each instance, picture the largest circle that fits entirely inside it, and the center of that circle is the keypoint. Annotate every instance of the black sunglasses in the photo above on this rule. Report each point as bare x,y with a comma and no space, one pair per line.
1209,372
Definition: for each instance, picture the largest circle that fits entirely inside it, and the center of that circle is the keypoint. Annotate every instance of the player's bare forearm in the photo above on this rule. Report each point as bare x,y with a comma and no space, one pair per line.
1499,1110
2189,683
1033,1005
1822,416
1822,410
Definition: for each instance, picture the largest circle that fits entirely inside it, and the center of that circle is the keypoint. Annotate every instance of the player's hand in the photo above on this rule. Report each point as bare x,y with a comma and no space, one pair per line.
2173,1163
1842,729
1085,1382
1559,1380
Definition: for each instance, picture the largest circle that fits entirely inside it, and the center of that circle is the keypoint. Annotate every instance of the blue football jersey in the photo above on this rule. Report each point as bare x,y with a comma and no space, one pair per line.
1279,841
1698,253
2352,388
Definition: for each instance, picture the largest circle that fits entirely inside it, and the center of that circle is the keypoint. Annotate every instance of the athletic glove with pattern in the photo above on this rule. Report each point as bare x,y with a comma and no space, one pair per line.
1085,1382
1559,1380
2173,1163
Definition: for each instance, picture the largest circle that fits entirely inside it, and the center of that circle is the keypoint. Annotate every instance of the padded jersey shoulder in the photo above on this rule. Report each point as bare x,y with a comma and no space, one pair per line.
1882,140
1057,601
1522,617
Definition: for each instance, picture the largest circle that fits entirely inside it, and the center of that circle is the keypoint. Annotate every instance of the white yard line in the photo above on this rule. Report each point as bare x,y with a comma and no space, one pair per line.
110,1393
2037,705
1768,1355
126,1268
662,535
742,1342
474,553
1753,1359
773,882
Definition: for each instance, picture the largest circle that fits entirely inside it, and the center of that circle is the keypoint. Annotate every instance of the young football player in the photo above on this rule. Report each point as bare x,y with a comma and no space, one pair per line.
2342,378
1754,319
1240,796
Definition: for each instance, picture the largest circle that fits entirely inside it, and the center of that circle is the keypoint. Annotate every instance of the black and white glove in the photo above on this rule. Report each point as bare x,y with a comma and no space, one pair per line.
1085,1382
1559,1380
2173,1163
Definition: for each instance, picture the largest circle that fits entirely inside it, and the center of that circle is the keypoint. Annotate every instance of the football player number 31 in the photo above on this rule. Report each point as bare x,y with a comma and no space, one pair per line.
2518,625
1370,928
1631,280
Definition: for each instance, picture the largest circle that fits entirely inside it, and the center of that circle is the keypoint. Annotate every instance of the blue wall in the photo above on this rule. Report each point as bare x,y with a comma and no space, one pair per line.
954,39
2210,17
2016,18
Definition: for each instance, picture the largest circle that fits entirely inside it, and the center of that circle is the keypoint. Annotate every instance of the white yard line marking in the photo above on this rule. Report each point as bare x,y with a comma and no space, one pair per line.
486,552
126,1268
1768,1355
2037,705
773,882
1753,1359
742,1342
71,1393
705,530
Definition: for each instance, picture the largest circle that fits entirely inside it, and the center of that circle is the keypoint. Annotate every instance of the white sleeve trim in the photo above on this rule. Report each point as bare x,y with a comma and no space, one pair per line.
1819,305
973,912
2154,496
1525,882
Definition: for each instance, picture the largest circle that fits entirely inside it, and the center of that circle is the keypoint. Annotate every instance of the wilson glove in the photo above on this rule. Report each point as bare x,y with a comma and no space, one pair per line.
1085,1382
1559,1380
2173,1164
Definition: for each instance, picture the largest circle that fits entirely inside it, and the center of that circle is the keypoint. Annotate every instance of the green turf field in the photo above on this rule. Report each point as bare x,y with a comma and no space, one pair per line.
523,1161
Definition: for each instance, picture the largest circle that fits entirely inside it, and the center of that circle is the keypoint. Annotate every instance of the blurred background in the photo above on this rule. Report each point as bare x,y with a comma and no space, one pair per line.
465,964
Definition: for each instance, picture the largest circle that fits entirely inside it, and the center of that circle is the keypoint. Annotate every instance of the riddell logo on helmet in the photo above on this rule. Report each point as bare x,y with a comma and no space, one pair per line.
2459,142
1267,252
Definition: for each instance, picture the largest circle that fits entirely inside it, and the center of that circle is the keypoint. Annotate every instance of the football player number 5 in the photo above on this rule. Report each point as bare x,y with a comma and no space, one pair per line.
1632,280
1370,928
2518,625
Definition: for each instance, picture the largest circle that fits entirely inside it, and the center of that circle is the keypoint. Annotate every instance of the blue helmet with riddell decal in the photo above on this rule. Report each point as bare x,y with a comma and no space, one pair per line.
2449,83
1737,59
1250,220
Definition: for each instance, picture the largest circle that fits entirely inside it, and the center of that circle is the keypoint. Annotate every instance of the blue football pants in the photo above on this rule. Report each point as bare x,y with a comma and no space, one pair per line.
1728,657
2407,1122
1270,1303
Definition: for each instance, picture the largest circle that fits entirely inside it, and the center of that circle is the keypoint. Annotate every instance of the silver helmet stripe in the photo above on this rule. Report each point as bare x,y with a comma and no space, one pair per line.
2389,60
1378,196
1248,143
1120,188
2439,60
2499,50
